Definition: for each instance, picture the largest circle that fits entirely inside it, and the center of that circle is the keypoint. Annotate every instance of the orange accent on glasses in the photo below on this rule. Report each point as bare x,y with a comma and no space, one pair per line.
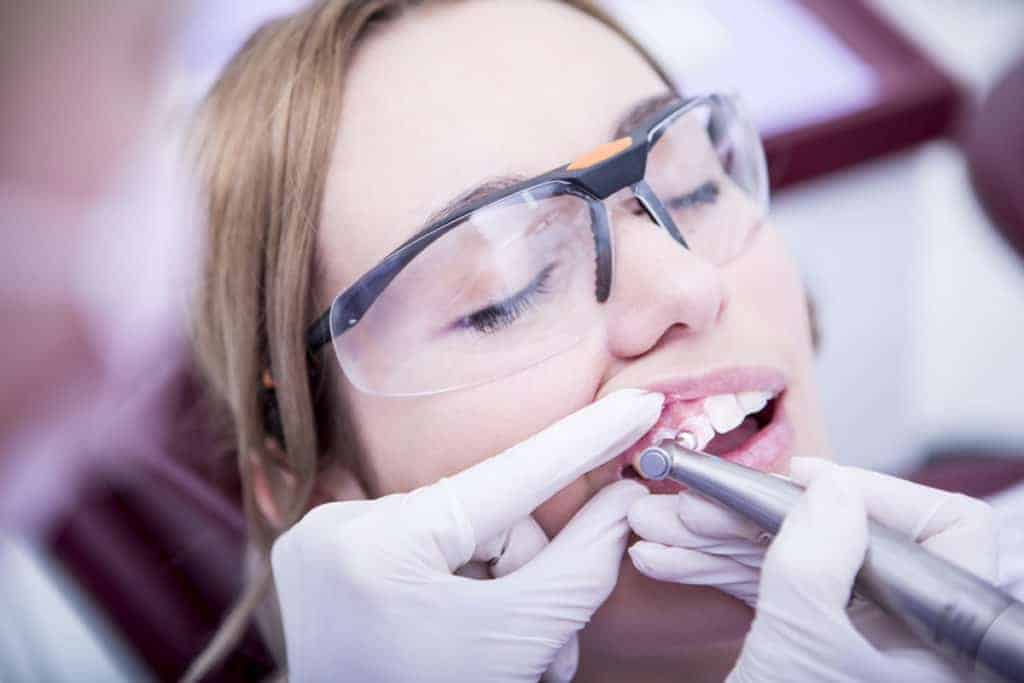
600,153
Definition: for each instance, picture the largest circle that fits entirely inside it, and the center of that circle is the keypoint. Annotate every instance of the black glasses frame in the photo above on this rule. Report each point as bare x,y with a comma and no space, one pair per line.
593,177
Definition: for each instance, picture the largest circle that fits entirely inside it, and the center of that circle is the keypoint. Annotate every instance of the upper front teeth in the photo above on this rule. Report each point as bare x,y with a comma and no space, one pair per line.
723,413
753,401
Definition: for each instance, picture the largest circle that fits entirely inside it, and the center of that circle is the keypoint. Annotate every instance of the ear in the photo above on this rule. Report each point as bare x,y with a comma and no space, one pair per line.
337,483
271,474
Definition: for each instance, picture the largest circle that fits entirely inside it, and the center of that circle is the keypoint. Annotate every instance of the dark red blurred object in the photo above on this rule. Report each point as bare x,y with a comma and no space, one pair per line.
975,471
158,545
995,152
917,101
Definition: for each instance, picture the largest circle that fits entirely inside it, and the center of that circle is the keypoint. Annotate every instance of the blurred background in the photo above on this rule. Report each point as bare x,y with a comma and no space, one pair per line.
895,136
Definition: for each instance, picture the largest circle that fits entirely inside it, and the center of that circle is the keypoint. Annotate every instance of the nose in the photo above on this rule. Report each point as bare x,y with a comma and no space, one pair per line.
658,286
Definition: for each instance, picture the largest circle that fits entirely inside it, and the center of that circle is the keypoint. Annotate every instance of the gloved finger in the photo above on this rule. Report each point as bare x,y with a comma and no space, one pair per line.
324,521
478,503
490,550
509,551
711,520
692,567
914,509
671,520
573,574
654,518
810,567
945,523
306,537
512,548
581,564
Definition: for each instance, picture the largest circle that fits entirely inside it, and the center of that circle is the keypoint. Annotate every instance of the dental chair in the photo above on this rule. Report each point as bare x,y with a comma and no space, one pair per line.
157,547
995,152
994,146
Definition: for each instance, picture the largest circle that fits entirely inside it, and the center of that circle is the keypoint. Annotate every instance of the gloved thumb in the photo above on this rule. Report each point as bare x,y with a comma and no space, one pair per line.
810,567
510,550
576,571
506,553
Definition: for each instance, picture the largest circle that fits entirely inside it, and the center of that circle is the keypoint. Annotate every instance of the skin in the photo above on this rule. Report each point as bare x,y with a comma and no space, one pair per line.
476,90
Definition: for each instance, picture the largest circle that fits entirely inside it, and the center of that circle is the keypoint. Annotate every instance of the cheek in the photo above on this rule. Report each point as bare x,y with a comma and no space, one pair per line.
770,304
555,513
768,297
411,442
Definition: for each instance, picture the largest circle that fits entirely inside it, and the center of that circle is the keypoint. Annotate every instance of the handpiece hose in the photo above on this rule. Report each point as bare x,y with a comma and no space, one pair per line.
947,607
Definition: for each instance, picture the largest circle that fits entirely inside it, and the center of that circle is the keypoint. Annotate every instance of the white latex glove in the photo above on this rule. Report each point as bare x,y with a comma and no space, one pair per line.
367,590
802,630
688,539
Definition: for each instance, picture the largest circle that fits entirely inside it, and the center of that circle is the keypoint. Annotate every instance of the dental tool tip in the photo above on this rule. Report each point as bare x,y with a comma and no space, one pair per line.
687,440
654,463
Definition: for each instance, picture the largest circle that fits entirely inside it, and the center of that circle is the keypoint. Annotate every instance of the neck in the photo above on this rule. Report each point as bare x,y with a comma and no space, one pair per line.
709,665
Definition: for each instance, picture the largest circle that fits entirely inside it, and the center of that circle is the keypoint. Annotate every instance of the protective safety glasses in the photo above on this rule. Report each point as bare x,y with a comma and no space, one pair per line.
519,276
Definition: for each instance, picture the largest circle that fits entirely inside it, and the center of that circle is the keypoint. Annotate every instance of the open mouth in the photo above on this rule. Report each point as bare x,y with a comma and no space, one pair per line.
746,427
722,444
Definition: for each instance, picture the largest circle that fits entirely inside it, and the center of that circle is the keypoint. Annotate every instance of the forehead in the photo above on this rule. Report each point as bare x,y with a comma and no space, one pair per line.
455,93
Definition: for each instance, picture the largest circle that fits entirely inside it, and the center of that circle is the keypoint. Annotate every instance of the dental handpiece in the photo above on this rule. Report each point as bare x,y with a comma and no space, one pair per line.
948,608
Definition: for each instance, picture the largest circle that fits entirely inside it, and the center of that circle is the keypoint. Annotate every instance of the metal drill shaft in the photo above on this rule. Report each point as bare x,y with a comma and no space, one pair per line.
948,608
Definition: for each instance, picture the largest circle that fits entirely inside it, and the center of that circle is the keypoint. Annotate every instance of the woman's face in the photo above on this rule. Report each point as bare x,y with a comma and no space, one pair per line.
454,94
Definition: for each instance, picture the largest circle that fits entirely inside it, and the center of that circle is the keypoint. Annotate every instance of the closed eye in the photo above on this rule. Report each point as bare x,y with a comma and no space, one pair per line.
501,314
707,193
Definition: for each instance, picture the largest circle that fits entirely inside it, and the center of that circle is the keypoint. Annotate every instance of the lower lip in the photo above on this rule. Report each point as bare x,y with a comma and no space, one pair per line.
767,451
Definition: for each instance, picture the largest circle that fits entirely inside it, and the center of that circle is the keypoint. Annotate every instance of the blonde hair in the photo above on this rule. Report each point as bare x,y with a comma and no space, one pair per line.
263,140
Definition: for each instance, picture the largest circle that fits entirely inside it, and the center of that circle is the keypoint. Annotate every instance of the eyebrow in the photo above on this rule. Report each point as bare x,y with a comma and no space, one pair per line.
633,117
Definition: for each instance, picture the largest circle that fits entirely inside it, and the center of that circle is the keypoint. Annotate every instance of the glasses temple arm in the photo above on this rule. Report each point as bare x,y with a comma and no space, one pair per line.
319,333
656,210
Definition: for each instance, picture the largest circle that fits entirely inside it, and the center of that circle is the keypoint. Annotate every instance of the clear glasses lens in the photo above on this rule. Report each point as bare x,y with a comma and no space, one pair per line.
707,166
509,287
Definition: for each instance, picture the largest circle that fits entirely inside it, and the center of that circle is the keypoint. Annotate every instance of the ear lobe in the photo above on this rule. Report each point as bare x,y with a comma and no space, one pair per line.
273,484
337,483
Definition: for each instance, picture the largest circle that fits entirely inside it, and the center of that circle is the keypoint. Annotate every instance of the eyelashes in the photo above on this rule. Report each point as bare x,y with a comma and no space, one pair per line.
706,193
500,315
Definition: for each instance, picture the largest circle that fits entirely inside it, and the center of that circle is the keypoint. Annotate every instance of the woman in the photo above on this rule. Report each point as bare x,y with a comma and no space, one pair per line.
640,272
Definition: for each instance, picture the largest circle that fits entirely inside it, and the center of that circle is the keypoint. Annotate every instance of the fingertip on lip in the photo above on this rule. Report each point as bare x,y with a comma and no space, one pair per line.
727,380
804,469
634,391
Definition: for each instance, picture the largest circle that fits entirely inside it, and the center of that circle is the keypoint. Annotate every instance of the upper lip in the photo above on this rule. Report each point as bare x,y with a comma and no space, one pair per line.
723,381
730,380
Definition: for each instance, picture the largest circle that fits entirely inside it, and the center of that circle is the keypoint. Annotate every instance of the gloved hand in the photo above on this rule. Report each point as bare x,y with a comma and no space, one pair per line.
367,590
691,540
802,630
